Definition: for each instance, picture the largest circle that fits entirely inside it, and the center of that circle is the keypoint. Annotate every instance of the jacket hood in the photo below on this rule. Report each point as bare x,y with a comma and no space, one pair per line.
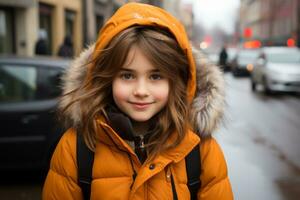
147,15
206,94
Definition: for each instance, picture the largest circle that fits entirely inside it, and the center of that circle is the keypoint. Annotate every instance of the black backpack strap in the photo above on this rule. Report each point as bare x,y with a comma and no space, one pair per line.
85,160
193,170
175,197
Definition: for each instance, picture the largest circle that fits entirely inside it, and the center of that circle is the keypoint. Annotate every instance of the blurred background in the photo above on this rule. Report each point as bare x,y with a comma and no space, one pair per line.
254,42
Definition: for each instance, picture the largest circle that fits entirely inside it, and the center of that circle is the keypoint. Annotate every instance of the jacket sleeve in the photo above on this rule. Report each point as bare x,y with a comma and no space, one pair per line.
215,183
61,181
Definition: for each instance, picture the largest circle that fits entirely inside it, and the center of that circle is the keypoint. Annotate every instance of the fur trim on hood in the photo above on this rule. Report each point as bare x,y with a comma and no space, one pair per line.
207,106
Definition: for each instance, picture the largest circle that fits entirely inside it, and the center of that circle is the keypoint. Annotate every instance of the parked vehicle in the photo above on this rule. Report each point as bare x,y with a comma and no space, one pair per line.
277,69
242,65
29,88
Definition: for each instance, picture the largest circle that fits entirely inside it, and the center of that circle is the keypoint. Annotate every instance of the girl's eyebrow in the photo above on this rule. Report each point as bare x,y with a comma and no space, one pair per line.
126,69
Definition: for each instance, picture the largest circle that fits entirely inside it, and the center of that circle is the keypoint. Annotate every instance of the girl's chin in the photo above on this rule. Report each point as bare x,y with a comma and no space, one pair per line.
140,120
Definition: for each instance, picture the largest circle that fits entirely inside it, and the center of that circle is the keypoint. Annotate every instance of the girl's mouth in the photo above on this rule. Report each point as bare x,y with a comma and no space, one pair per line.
139,105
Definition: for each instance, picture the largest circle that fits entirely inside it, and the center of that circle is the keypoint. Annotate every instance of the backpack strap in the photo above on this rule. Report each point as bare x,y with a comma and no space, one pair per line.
193,170
85,161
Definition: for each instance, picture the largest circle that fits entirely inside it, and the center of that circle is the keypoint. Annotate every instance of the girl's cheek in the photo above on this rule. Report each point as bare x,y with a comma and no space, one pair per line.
162,92
120,91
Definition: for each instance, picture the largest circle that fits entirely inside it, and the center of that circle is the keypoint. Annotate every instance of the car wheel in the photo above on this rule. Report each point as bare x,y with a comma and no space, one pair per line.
235,73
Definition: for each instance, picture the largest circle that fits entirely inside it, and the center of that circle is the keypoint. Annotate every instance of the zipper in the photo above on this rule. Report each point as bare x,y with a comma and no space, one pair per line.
140,148
142,142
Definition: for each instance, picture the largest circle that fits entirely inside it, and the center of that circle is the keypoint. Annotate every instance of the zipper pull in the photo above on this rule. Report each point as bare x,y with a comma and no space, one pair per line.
142,142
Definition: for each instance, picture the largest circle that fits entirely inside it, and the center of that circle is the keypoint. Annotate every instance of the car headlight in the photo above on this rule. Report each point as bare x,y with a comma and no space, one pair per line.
249,67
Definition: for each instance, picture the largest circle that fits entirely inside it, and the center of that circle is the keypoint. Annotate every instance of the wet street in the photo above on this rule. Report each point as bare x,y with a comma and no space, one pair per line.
260,139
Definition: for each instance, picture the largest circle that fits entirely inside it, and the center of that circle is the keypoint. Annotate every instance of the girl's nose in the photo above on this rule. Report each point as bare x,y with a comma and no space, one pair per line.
141,89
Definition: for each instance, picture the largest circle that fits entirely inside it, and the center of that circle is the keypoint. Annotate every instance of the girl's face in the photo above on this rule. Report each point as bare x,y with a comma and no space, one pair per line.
139,89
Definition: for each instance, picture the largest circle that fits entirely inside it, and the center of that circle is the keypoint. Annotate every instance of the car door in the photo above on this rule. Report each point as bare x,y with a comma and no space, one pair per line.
28,98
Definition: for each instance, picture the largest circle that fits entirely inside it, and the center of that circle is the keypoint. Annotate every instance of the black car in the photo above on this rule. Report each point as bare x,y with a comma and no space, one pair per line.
242,64
29,91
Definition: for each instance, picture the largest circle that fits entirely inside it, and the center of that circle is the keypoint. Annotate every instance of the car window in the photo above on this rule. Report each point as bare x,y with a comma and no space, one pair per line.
231,53
248,55
288,57
48,83
28,83
17,83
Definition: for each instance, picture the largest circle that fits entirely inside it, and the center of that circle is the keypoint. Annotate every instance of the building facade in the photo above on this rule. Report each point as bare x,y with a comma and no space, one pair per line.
21,21
273,22
183,12
16,29
95,14
61,18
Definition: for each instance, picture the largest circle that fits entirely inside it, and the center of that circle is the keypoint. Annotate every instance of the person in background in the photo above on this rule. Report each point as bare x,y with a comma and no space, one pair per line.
223,58
142,100
66,49
41,45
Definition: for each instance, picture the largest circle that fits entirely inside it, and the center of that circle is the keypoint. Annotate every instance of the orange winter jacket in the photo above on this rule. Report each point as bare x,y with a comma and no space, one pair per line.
114,158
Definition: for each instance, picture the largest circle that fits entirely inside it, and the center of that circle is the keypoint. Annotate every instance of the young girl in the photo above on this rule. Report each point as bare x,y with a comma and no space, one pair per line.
134,98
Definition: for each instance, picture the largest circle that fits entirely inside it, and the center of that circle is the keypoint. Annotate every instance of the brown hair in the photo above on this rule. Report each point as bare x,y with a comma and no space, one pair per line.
163,51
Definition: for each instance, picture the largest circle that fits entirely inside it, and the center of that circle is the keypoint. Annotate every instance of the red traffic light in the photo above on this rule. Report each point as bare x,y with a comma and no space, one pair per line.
247,32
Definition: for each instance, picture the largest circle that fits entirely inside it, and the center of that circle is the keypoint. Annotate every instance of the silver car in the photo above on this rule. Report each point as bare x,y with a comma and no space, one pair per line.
277,69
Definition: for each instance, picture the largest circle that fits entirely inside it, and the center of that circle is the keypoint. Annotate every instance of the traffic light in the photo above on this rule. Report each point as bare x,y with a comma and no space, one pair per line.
247,32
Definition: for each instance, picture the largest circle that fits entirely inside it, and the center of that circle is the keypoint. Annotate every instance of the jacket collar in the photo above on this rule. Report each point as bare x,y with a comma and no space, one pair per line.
110,137
122,124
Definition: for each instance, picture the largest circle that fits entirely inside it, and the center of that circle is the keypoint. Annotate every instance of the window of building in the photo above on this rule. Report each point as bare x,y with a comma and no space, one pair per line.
7,41
99,23
69,23
45,17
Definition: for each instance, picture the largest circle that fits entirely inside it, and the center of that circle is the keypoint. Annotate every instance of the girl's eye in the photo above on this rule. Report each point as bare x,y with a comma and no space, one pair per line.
127,76
156,77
